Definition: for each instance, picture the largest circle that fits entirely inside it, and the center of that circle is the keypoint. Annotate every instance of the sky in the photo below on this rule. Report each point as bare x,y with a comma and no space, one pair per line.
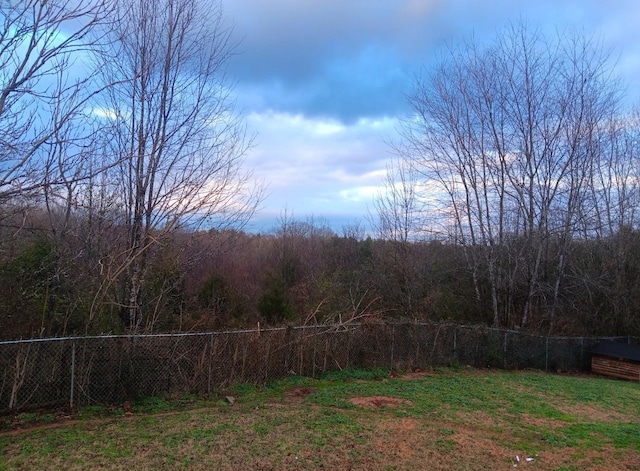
322,84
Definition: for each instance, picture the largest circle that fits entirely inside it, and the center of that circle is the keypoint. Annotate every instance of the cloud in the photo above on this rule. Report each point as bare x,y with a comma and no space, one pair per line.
318,166
347,89
354,59
323,81
345,60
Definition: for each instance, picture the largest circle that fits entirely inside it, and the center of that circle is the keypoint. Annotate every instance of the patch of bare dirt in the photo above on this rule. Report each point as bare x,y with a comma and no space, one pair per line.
440,446
378,402
398,440
606,459
480,447
416,374
69,421
34,427
299,392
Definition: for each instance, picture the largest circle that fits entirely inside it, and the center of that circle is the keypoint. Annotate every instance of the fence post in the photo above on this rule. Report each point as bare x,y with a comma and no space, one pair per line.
73,373
313,360
504,351
210,364
455,344
393,344
546,355
266,363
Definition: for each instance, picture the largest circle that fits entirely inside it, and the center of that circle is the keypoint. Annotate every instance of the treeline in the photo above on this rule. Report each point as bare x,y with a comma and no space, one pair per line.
123,193
301,273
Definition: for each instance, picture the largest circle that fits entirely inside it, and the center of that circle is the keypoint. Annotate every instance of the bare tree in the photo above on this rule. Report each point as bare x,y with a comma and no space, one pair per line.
45,133
398,207
40,91
399,220
609,218
506,134
174,131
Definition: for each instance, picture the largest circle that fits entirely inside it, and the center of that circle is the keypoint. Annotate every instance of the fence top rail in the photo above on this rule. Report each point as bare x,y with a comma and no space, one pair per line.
329,327
177,334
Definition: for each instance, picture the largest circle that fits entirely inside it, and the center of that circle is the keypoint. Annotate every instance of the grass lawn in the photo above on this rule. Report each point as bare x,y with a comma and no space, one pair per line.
354,420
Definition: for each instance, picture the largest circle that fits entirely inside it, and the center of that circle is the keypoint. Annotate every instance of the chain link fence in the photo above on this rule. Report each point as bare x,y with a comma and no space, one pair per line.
78,371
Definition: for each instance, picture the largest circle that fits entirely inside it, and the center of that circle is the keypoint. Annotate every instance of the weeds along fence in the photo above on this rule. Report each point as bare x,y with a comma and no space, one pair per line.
77,371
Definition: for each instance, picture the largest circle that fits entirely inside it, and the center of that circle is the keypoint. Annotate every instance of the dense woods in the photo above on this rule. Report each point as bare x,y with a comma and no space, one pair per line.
511,198
301,273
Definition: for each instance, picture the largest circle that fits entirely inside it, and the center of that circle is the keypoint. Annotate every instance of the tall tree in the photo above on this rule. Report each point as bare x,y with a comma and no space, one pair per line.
399,220
174,131
506,132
